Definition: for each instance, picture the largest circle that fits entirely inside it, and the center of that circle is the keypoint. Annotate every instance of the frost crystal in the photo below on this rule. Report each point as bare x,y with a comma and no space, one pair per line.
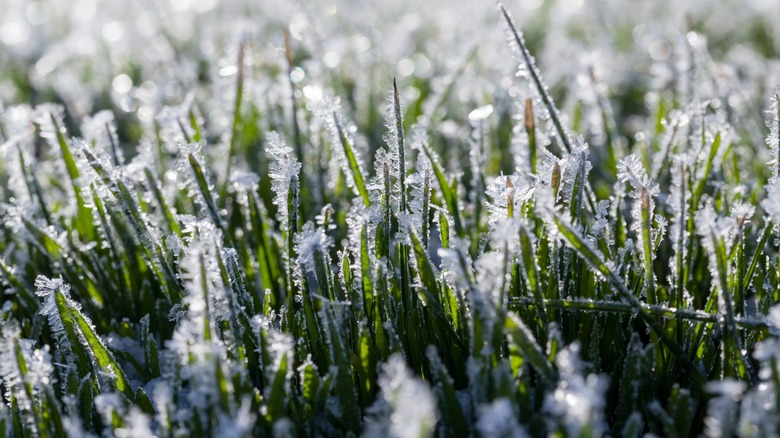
237,425
284,173
672,128
647,226
308,243
339,132
48,288
100,130
773,139
406,407
722,409
771,204
499,419
528,68
244,183
173,122
601,226
26,386
293,291
773,319
578,400
505,193
713,227
421,183
394,139
455,266
43,115
16,162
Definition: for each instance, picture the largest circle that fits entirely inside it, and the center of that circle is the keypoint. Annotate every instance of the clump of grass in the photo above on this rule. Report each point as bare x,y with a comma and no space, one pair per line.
225,283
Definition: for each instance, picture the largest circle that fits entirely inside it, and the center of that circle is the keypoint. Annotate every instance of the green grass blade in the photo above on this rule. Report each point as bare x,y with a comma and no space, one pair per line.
596,262
530,66
528,254
83,215
354,168
523,339
450,197
104,358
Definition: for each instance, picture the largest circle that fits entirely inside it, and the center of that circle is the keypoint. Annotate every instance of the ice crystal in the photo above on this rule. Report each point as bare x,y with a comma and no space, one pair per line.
499,419
100,131
308,243
339,132
284,173
578,400
45,115
771,204
773,139
722,409
406,406
47,288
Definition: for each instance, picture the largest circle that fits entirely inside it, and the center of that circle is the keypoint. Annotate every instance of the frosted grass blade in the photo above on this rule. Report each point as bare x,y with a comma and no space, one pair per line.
596,262
541,88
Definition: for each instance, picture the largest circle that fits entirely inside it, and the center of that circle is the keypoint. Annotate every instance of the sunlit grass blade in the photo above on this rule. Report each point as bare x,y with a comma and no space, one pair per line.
173,225
647,245
541,88
733,361
523,338
530,266
399,135
450,197
83,216
28,300
354,168
205,191
235,126
104,358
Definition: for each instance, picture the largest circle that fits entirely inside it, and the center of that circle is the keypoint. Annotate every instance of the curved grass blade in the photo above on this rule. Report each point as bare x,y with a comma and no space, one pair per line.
523,339
104,358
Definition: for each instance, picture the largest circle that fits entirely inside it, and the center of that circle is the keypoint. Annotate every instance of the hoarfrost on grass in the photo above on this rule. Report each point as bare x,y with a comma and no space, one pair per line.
406,406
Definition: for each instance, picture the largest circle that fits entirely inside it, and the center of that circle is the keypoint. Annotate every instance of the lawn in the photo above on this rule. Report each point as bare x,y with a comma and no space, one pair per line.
291,218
